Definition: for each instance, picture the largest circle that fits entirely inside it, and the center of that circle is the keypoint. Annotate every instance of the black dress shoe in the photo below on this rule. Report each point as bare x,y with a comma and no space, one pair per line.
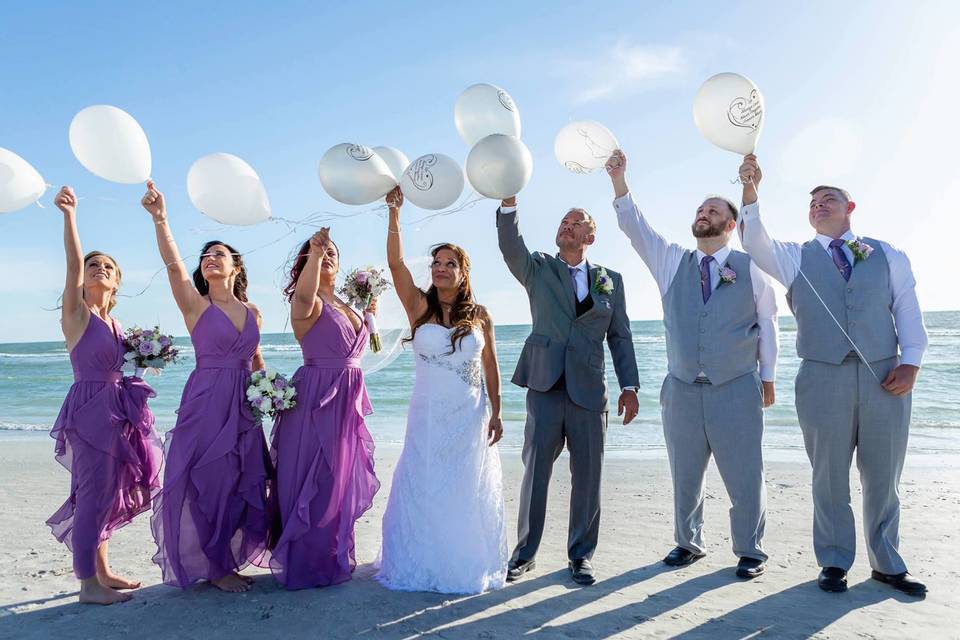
681,557
832,579
902,582
516,568
582,571
750,568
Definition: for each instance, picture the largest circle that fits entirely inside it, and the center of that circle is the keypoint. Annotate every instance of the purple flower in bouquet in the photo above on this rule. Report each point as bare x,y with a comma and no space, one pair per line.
279,383
145,349
165,341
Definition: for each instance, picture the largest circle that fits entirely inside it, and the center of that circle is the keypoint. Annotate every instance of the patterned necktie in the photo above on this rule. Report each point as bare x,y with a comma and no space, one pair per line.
840,258
573,276
705,287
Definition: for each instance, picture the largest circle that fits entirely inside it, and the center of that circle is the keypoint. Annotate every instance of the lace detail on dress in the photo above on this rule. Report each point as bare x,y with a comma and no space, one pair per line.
444,528
470,372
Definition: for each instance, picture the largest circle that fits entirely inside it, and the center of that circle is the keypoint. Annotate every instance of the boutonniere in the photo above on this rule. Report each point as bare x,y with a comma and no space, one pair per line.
727,275
861,250
604,283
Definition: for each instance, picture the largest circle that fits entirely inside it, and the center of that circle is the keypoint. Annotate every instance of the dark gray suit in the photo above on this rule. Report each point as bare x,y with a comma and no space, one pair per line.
562,367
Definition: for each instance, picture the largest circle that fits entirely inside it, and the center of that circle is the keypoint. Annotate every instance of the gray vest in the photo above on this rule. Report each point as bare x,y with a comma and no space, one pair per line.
861,306
720,338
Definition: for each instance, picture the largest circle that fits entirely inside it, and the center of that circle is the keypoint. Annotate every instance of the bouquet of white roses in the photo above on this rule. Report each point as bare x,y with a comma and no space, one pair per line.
148,349
362,287
269,393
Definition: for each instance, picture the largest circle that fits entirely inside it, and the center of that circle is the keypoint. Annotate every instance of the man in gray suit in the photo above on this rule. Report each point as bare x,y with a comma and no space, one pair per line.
720,315
861,339
575,306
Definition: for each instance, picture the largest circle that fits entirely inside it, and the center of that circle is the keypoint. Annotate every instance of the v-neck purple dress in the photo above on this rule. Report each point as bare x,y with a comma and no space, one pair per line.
105,438
210,518
324,458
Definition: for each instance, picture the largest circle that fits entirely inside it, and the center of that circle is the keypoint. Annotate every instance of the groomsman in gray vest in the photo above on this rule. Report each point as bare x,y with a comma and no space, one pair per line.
720,315
575,306
861,338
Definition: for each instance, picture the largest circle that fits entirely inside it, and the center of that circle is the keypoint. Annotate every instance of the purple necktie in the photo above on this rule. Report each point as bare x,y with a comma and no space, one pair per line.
840,258
705,277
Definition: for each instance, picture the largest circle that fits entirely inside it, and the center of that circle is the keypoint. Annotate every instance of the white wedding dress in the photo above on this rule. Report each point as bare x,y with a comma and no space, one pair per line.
443,529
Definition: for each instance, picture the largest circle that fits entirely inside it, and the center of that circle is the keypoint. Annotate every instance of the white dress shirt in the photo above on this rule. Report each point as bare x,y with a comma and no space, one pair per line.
663,259
782,261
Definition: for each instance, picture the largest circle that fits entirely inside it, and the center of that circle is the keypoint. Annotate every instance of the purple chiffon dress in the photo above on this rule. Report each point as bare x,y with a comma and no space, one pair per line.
211,519
324,458
105,438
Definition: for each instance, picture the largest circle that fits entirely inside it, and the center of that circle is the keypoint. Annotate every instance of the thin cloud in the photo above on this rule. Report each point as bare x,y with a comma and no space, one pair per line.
624,68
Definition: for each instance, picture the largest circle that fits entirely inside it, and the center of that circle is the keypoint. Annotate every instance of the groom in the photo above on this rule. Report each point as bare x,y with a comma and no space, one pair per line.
575,306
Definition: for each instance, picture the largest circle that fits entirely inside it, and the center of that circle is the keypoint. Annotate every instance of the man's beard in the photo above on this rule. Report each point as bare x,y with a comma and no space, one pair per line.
710,231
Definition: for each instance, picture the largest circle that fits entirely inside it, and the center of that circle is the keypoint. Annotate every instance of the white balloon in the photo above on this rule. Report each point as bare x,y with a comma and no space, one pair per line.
227,189
728,110
354,174
499,166
433,181
20,184
396,160
485,109
111,144
583,146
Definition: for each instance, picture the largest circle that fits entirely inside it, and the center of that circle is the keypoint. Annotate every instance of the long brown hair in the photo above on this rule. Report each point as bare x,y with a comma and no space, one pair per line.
113,296
239,283
299,262
465,315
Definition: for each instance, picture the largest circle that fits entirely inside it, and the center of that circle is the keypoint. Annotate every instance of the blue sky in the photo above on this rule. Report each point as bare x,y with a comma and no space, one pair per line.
861,94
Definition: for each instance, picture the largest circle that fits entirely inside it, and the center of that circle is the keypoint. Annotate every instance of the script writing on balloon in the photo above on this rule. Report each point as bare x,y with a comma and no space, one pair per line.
420,174
746,112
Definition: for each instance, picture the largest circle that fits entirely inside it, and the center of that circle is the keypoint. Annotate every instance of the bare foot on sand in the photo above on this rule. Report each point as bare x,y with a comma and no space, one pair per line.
92,592
108,579
231,583
246,579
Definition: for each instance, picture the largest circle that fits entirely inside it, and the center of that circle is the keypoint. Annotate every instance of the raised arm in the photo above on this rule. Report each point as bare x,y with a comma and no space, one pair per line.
779,259
188,298
620,341
515,253
491,374
74,313
305,300
661,257
410,295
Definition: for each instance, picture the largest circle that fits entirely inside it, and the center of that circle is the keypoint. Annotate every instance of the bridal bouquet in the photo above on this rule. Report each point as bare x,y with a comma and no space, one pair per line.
269,393
148,349
362,287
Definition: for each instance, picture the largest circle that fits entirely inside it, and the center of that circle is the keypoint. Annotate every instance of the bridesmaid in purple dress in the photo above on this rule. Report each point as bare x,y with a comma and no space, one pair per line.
104,432
210,519
321,448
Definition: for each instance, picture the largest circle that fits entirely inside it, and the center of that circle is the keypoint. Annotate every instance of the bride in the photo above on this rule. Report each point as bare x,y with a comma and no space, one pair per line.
443,529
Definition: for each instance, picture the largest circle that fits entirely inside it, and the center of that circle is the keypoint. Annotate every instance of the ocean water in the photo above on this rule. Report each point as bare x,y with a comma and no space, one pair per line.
34,377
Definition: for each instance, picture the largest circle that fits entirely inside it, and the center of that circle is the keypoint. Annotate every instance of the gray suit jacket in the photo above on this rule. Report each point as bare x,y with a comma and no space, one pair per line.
561,342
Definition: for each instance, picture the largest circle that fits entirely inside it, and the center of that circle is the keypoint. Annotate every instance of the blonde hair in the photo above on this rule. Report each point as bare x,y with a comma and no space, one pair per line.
113,296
